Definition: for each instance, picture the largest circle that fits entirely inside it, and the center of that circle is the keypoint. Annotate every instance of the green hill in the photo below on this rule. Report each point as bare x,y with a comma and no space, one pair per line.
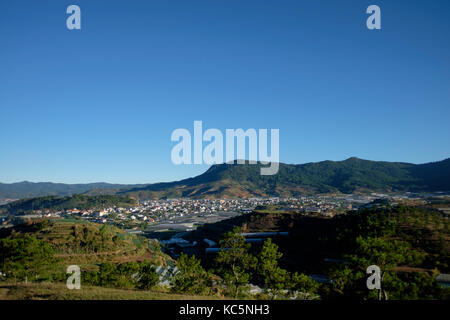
81,202
85,243
348,176
34,258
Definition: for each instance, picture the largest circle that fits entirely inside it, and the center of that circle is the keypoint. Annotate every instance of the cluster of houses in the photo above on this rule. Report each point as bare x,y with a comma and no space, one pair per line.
156,211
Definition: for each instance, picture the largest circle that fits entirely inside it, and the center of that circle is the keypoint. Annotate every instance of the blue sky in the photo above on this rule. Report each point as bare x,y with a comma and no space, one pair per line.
100,104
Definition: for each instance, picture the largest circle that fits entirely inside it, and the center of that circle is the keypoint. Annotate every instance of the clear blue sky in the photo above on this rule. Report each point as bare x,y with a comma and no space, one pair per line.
100,104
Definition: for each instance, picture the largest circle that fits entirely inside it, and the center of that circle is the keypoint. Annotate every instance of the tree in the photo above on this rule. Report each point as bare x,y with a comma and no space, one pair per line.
234,261
413,286
108,275
346,282
25,256
386,254
191,277
275,279
300,282
148,276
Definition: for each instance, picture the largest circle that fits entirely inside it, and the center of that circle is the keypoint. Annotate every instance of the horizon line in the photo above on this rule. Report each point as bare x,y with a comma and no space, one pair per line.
217,164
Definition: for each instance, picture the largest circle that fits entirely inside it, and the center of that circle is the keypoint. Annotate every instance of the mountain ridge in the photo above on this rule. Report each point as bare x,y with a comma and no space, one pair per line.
231,180
27,189
346,176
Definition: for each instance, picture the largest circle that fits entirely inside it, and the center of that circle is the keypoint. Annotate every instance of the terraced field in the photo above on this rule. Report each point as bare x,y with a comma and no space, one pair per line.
87,244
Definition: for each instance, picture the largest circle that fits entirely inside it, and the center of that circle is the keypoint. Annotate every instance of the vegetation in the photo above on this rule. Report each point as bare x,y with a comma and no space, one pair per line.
192,278
410,245
77,238
351,175
237,266
278,281
23,258
129,275
235,262
55,203
59,291
42,250
147,276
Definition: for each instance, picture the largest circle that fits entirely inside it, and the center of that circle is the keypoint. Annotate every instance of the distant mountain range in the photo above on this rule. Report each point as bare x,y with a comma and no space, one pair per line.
244,180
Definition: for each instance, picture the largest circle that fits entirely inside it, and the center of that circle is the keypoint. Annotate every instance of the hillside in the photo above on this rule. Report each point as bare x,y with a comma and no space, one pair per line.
87,244
411,245
40,251
425,228
34,258
348,176
81,202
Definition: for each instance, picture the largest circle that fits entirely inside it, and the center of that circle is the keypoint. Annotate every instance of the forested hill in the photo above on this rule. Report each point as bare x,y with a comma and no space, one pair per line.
81,202
233,180
351,175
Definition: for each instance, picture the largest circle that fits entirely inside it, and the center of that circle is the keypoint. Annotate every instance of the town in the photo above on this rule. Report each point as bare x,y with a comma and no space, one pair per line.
187,214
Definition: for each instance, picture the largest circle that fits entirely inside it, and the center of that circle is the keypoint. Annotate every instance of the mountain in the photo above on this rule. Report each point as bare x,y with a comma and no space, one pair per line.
244,180
348,176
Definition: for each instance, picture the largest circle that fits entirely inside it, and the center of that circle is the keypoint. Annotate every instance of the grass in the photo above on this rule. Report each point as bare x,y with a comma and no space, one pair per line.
59,291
